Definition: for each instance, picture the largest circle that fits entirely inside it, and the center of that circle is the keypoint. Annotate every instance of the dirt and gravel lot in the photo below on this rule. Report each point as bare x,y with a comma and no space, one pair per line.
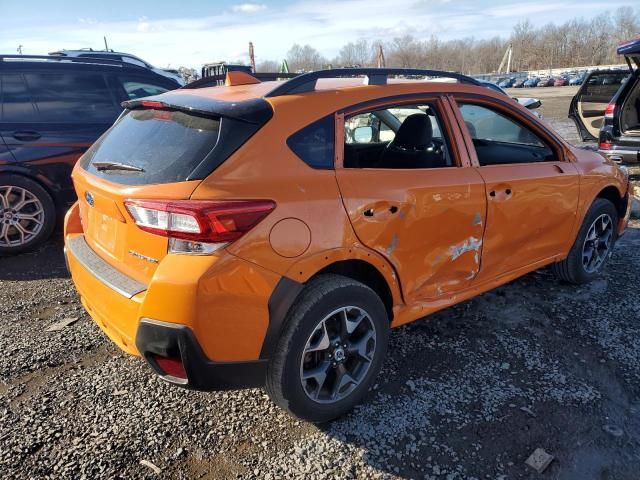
467,393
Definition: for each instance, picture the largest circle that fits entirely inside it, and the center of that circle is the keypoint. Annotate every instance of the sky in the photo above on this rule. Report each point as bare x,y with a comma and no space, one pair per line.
193,32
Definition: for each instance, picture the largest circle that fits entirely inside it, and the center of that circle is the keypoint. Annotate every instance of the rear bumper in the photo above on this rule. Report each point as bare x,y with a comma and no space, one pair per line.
621,154
213,311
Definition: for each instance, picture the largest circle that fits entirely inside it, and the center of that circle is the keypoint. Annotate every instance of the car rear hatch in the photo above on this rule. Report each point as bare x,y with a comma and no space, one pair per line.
588,106
158,151
631,52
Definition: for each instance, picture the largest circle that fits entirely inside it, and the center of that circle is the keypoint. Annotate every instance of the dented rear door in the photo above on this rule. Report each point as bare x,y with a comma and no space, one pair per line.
428,222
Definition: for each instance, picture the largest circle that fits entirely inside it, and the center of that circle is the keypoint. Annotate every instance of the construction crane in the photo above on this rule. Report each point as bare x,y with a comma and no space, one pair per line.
506,59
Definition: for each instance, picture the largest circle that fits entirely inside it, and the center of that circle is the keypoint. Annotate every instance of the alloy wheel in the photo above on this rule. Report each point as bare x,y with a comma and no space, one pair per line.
21,216
597,244
338,354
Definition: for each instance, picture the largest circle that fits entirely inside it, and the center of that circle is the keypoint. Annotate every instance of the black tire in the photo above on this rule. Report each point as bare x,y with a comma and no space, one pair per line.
48,218
572,269
321,296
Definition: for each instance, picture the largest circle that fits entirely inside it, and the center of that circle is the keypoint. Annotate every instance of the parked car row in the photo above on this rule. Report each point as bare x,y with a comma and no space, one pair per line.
569,78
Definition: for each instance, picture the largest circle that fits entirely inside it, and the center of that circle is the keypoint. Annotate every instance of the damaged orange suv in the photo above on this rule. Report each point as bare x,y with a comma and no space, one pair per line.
271,233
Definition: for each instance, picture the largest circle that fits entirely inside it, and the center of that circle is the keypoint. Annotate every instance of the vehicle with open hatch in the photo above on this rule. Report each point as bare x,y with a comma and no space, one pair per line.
272,233
607,108
51,110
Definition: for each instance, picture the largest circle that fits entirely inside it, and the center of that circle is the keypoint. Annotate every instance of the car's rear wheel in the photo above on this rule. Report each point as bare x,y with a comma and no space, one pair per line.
593,246
331,350
27,214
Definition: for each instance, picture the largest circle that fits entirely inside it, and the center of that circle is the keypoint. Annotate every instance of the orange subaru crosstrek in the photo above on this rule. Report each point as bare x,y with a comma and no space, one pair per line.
271,233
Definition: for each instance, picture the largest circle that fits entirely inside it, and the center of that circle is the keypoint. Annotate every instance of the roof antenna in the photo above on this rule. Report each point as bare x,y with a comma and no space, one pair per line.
106,47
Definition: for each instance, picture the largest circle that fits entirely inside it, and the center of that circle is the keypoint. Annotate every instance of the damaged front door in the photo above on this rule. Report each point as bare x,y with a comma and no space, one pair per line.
532,191
409,198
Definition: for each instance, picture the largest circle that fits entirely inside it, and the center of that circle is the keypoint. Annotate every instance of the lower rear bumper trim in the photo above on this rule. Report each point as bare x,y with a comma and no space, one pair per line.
174,340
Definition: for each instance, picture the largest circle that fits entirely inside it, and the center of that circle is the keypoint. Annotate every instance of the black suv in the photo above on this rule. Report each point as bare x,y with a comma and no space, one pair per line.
607,108
51,110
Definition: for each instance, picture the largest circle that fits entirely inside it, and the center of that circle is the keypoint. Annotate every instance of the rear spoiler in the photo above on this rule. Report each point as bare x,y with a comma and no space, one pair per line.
256,111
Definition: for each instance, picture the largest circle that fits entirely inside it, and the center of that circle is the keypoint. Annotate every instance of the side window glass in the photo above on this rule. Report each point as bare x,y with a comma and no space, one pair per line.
399,137
15,102
69,97
135,88
314,144
600,88
501,140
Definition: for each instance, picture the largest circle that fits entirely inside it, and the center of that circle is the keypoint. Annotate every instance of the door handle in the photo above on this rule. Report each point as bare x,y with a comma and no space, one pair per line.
559,168
26,136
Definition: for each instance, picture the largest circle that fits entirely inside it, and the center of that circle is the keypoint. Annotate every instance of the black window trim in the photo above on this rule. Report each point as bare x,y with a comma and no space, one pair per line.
547,136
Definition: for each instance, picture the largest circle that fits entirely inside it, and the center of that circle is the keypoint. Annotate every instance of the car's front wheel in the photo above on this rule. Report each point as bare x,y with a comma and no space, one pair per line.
331,350
27,214
593,246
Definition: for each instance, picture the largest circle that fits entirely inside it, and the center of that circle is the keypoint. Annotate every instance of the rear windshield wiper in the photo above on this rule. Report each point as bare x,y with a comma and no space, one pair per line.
105,166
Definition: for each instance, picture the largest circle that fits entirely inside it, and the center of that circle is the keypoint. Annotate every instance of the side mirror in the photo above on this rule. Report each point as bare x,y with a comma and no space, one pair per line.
363,134
530,103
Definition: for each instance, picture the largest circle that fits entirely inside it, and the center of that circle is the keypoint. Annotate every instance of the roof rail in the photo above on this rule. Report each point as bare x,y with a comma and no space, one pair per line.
62,58
375,76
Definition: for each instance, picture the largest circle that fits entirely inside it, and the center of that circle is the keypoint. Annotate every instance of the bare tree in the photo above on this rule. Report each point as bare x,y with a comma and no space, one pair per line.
358,54
305,58
268,66
577,42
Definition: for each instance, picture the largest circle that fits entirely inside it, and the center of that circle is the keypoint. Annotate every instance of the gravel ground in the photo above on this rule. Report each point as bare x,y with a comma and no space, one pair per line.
468,393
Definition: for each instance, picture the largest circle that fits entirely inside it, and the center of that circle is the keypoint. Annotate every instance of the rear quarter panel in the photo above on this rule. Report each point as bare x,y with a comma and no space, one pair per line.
597,173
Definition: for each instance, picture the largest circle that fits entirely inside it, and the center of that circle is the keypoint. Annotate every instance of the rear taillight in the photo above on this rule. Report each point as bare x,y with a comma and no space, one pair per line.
610,110
605,145
198,226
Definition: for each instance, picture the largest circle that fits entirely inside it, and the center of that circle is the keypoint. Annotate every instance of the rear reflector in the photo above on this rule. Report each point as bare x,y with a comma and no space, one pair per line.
171,366
199,220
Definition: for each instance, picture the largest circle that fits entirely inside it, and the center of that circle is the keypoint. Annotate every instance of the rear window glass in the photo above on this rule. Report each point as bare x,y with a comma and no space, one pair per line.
166,145
315,143
603,86
136,88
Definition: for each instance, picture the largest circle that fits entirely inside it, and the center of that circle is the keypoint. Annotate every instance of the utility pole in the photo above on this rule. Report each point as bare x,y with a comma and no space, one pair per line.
252,58
380,61
19,49
506,59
